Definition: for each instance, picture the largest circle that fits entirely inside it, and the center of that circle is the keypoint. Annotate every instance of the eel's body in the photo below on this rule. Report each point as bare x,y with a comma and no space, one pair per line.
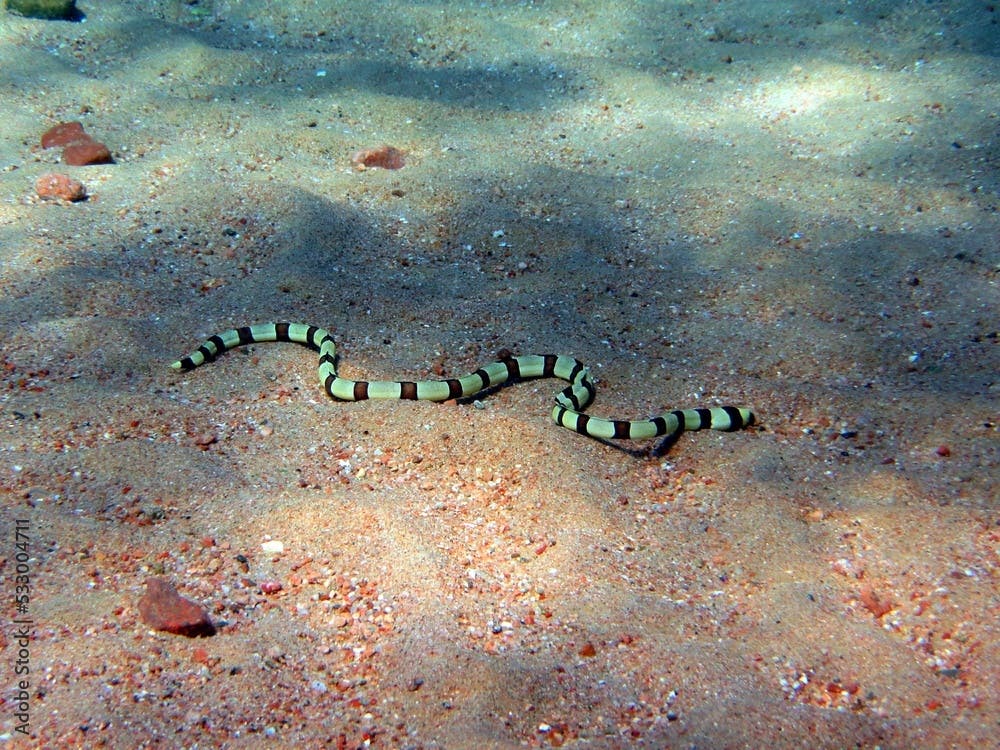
570,402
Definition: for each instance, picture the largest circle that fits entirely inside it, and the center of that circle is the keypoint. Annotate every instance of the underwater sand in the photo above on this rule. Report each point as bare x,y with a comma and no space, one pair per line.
777,205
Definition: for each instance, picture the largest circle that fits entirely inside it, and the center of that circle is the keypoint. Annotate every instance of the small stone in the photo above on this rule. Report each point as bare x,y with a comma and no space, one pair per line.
588,651
53,186
64,134
878,605
340,621
206,439
273,547
79,148
385,157
162,608
86,152
270,587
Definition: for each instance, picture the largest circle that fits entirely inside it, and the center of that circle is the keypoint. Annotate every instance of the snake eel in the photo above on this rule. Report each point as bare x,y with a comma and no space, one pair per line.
568,411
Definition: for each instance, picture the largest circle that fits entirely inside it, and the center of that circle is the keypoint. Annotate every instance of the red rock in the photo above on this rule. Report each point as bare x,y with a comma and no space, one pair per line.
62,134
54,186
205,439
875,603
87,151
162,608
386,157
80,149
200,655
270,587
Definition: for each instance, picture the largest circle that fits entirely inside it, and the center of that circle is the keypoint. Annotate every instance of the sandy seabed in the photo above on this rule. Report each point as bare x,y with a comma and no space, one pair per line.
778,205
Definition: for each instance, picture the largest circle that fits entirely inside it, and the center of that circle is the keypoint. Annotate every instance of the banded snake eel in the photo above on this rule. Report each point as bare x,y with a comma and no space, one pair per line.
570,402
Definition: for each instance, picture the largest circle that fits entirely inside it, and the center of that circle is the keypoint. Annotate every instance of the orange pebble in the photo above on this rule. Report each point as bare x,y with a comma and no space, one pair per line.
386,157
54,186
